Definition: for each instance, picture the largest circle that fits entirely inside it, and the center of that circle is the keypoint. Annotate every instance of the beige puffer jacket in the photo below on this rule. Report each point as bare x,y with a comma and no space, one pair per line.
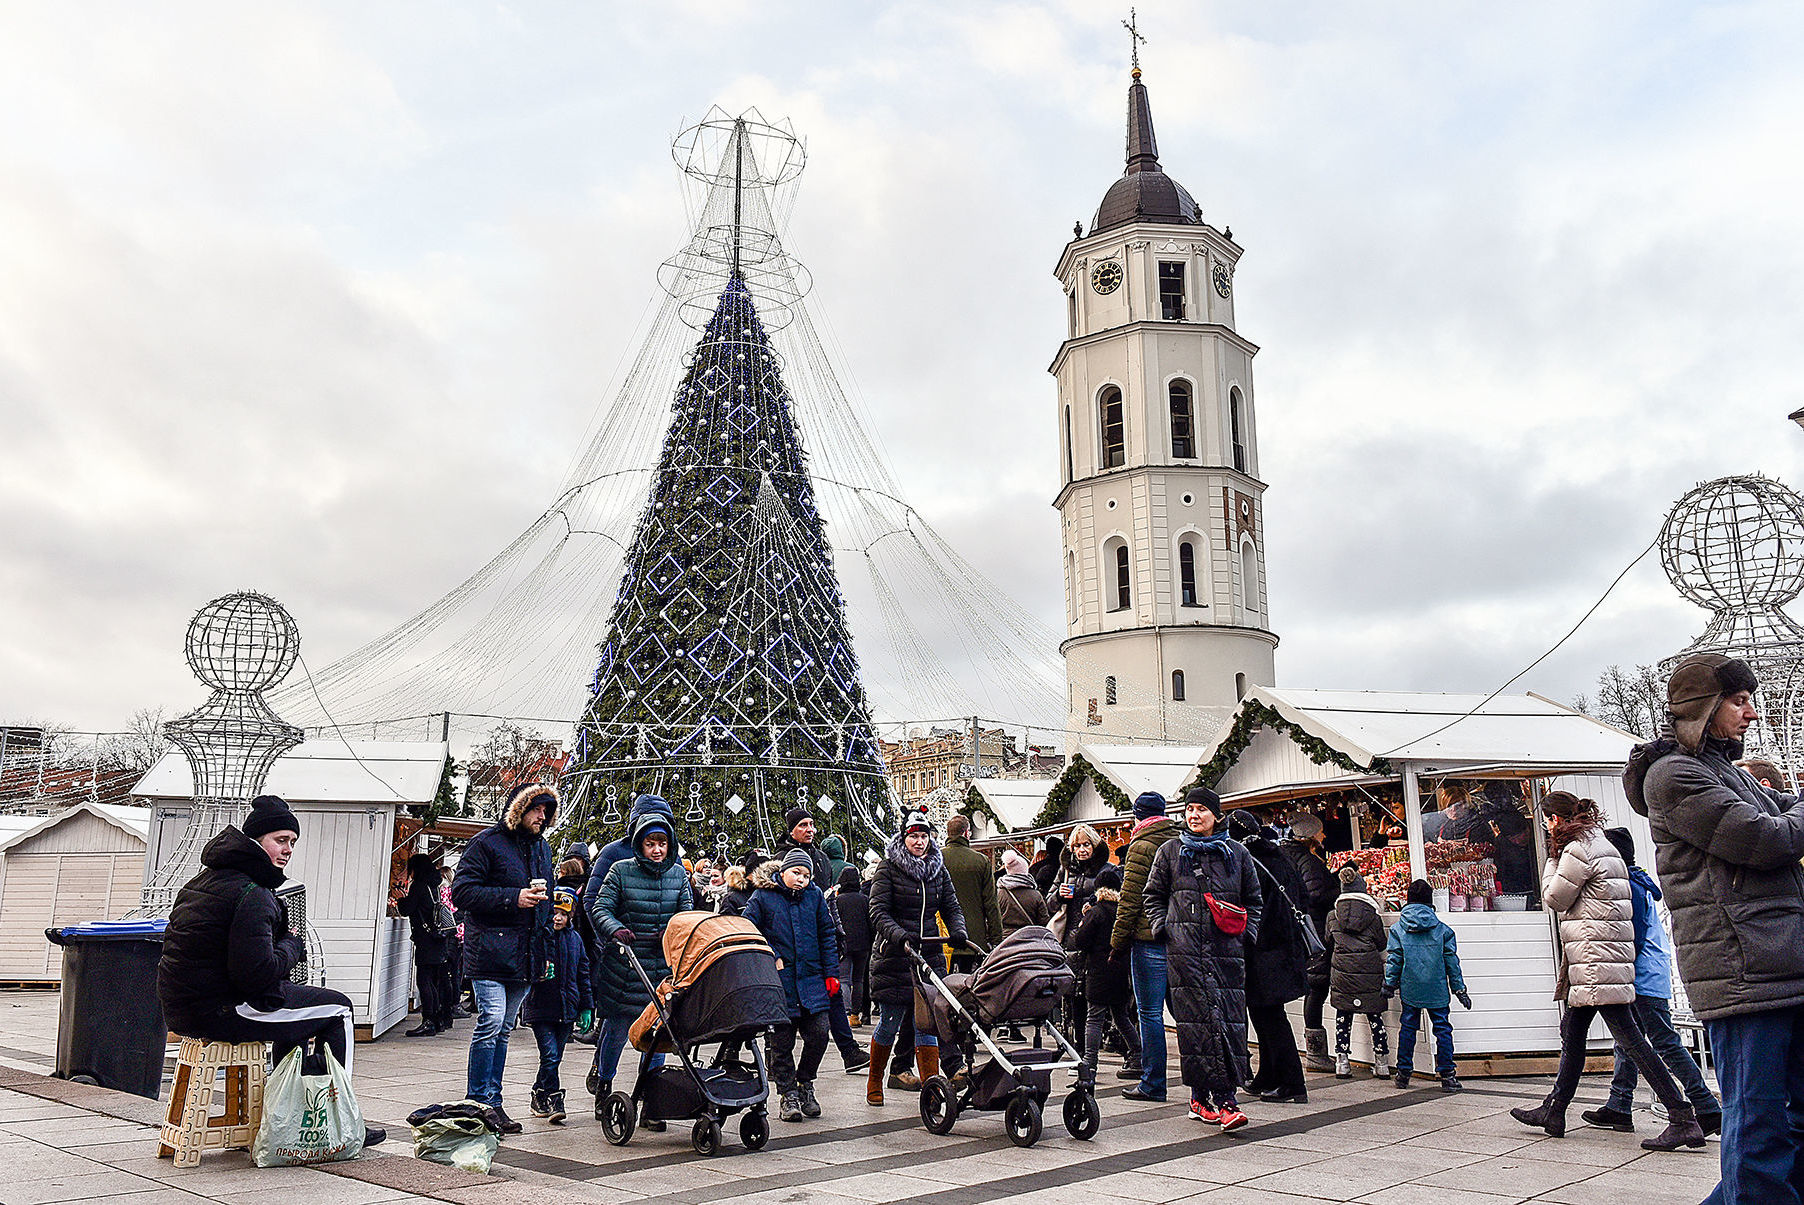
1589,888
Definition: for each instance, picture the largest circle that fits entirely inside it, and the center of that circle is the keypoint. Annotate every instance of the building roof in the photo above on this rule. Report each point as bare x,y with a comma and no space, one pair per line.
1521,730
1137,769
327,770
134,820
1016,800
1144,193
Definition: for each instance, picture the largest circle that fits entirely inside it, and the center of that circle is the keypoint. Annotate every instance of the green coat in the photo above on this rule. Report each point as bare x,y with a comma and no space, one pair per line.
975,884
1131,921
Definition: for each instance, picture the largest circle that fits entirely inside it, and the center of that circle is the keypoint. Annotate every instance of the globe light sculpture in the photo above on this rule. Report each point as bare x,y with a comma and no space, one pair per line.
1735,547
239,646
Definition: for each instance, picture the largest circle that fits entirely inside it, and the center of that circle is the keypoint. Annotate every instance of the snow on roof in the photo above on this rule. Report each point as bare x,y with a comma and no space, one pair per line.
327,770
1137,769
135,820
1428,727
1016,800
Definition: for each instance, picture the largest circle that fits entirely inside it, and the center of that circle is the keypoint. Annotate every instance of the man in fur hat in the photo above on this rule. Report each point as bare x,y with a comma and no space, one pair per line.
1727,849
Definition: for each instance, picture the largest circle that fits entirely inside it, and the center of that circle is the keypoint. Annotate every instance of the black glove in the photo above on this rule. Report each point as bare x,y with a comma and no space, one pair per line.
1390,993
293,947
1465,999
961,939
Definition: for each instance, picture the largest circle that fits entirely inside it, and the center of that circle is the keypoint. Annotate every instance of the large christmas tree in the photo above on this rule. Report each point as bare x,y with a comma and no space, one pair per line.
727,681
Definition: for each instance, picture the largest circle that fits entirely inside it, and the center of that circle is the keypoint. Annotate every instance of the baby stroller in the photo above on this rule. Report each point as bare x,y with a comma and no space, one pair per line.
723,986
1020,981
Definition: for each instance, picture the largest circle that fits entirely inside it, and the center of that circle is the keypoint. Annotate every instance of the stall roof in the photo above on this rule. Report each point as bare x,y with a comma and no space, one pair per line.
1016,800
1436,728
134,820
327,771
1140,768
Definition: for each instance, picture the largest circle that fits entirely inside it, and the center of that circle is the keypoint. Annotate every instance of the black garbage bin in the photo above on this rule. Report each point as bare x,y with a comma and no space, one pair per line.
109,1024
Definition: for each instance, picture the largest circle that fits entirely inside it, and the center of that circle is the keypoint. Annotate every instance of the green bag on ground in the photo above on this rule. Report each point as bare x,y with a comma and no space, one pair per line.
307,1118
461,1142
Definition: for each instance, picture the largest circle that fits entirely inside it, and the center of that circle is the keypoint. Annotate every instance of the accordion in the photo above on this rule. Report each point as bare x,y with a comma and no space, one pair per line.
293,898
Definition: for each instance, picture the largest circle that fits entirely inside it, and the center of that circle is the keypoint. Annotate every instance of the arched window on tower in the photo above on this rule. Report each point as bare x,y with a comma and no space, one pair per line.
1183,423
1124,583
1236,431
1070,471
1072,605
1187,574
1114,429
1177,686
1249,578
1108,690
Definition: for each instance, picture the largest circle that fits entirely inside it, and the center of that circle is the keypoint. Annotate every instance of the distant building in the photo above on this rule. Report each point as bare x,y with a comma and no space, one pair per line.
942,758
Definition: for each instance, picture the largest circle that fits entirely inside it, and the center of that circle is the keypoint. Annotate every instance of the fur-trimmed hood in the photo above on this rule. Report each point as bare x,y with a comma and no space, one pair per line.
766,874
1108,893
521,797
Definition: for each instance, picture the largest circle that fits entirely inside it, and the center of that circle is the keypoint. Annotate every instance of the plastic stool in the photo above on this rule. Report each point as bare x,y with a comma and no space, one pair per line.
190,1126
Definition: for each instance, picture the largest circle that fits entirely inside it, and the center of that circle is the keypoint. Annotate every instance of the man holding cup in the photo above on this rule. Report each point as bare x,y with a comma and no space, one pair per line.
501,895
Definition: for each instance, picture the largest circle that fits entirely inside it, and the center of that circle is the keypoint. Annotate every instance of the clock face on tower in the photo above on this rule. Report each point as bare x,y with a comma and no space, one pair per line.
1224,279
1106,276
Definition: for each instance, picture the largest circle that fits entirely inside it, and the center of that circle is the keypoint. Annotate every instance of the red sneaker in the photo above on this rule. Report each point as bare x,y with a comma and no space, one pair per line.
1203,1112
1232,1119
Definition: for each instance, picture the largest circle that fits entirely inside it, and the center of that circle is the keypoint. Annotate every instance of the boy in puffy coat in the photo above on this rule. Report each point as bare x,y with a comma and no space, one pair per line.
1356,956
1421,960
556,1005
792,914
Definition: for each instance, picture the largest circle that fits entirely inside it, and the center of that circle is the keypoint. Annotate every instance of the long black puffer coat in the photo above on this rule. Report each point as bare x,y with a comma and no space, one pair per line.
1277,964
1206,967
907,894
1081,876
1356,940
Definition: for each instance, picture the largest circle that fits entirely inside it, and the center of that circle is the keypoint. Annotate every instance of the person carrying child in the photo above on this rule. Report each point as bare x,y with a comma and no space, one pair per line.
1421,961
792,914
559,1002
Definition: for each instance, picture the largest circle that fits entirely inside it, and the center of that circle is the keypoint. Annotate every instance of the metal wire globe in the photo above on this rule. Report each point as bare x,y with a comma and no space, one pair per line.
1736,543
242,641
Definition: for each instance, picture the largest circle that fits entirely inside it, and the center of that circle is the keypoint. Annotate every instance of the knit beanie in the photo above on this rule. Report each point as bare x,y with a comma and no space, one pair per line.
1109,876
269,814
849,880
794,858
1148,805
1242,826
563,900
793,817
1305,827
1351,881
1013,862
1697,685
916,821
1204,796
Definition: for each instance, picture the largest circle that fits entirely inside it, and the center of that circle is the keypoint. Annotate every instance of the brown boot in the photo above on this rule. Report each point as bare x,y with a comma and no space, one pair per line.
927,1058
873,1079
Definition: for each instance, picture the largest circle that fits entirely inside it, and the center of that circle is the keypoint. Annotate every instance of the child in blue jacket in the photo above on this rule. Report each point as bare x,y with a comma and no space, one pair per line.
792,914
1421,960
556,1004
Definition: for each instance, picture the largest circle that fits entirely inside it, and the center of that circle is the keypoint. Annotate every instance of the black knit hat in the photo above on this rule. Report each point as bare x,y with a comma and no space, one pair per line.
269,814
1204,796
916,821
793,817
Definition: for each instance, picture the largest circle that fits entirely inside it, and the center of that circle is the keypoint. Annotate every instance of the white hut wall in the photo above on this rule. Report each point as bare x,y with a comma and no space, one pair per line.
1271,758
81,869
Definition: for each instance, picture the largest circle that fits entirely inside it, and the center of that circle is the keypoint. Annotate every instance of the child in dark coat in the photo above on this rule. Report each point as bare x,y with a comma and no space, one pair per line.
1108,980
556,1005
792,914
1356,941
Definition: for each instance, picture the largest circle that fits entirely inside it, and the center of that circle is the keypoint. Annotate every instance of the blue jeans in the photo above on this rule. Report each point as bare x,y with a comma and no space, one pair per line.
553,1036
889,1024
1760,1065
841,1026
497,1009
1655,1018
1443,1040
1147,965
611,1040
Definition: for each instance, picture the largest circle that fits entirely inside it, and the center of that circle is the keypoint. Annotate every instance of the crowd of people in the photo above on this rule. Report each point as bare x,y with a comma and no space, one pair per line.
1214,917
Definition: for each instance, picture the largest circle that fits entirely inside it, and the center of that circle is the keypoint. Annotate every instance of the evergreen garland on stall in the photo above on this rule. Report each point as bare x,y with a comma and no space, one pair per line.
1255,715
978,805
1058,800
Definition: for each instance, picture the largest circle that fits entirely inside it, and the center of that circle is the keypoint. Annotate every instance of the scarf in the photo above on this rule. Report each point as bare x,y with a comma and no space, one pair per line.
920,869
1196,843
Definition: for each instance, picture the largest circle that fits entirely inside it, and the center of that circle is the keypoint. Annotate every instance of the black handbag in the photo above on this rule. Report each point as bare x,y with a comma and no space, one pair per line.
1313,945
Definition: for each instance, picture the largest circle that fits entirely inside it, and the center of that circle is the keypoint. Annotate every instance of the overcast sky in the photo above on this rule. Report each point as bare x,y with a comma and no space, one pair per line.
314,299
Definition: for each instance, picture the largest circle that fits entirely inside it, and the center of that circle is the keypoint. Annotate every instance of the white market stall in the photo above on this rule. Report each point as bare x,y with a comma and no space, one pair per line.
1381,754
81,864
348,797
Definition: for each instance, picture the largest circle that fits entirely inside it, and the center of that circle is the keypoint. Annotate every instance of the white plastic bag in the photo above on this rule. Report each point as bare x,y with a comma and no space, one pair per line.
307,1118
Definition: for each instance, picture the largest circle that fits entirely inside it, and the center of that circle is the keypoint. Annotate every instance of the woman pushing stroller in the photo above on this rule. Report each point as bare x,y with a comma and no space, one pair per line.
911,895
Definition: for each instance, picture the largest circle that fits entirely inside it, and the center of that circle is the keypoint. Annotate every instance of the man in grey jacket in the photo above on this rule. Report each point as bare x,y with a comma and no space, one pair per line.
1727,850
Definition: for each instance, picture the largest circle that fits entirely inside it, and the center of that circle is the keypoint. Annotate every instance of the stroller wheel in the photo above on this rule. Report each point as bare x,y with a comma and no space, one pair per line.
1082,1117
1022,1121
706,1137
617,1119
754,1129
939,1104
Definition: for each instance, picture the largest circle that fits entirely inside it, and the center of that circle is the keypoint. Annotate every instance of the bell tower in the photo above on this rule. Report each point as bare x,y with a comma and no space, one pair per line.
1161,506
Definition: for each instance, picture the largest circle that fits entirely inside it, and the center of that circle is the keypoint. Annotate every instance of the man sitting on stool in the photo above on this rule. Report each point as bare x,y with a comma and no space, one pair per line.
223,976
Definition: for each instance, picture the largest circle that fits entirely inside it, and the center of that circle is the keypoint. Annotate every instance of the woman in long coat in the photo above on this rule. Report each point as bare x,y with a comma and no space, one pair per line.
1276,965
1206,964
911,895
1586,885
1072,890
1304,849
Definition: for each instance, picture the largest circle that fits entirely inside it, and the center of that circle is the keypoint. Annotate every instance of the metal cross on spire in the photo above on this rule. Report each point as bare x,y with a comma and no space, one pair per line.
1135,38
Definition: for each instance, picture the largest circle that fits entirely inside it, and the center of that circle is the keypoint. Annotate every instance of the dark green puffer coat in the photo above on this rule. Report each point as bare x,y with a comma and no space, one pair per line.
640,895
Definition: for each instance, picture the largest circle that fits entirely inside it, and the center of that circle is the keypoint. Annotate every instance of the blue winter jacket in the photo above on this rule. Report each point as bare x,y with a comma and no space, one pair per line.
1653,954
560,999
503,941
800,929
1421,959
640,895
618,851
